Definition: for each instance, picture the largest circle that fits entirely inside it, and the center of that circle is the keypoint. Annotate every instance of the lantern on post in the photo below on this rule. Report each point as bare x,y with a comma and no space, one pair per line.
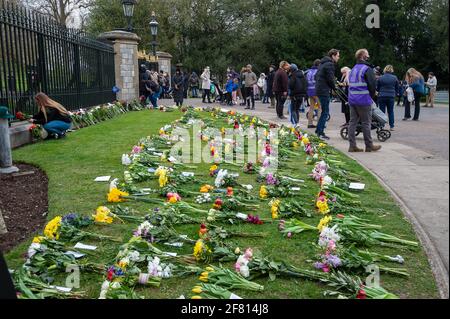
128,11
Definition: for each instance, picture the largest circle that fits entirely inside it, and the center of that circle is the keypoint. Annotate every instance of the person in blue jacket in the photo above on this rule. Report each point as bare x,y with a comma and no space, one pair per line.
417,83
387,88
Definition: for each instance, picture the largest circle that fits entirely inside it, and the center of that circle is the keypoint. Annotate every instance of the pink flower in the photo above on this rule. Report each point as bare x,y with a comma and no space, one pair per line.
237,266
248,253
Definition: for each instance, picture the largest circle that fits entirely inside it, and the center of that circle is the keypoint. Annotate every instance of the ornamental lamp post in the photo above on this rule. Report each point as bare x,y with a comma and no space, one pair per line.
128,11
154,31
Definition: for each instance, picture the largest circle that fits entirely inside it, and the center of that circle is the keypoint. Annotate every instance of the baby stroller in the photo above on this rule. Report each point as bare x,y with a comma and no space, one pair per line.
379,120
218,93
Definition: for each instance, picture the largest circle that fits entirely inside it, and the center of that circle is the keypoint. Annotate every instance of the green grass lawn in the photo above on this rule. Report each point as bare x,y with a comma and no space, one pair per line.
73,163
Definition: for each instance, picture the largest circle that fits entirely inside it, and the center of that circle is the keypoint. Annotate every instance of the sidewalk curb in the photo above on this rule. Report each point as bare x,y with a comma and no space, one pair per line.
437,265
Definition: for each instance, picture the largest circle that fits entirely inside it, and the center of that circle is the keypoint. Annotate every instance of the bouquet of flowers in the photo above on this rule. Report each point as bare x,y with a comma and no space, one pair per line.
210,291
228,279
67,228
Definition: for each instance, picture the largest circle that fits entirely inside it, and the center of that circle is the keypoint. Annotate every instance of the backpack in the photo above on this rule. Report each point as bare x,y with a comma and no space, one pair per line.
213,89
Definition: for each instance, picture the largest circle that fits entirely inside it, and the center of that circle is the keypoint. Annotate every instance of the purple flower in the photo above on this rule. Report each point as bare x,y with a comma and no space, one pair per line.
334,261
271,180
69,218
318,265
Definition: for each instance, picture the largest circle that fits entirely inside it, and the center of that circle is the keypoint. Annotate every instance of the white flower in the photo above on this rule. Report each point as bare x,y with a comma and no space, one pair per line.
115,285
244,271
242,260
398,259
105,285
134,256
126,159
220,176
327,180
248,187
327,235
33,249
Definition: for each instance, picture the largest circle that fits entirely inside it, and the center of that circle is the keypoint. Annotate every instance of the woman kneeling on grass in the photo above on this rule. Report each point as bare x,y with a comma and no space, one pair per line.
52,116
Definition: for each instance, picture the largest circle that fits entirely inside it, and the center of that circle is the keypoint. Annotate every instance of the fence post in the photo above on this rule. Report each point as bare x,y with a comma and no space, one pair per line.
126,63
5,144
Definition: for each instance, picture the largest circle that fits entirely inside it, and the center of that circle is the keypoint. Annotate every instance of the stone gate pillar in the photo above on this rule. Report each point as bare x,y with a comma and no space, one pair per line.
126,62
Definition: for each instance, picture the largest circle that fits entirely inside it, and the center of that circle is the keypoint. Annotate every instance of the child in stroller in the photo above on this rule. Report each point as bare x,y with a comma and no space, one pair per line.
217,92
379,120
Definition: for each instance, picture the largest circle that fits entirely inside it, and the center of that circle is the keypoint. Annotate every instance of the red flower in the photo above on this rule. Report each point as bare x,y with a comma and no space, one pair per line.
230,191
20,116
361,294
340,216
203,230
110,275
236,125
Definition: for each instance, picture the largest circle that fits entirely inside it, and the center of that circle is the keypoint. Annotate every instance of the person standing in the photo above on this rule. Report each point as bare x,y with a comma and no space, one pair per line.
269,93
432,85
262,86
178,87
325,82
416,83
280,87
206,85
387,88
241,91
193,83
312,96
297,92
344,86
250,80
401,92
361,91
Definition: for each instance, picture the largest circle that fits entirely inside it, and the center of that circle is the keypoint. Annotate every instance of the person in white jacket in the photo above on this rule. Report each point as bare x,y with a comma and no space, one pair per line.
432,84
206,84
262,86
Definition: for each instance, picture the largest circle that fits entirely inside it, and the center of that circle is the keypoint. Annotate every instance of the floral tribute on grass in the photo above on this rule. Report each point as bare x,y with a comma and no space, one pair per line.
192,227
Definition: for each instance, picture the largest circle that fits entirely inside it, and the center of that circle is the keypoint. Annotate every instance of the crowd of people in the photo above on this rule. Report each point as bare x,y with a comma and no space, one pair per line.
287,86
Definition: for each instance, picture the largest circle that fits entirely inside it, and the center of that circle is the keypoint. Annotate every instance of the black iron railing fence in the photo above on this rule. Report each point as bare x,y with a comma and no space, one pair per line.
37,54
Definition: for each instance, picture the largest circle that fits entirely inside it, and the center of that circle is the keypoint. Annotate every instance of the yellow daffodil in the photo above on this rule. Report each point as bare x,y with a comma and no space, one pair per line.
206,188
162,172
38,239
263,192
275,208
52,227
305,140
116,196
198,249
323,206
103,215
324,223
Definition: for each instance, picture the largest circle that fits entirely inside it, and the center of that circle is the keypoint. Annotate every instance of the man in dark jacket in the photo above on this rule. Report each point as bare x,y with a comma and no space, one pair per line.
280,87
361,93
297,92
325,82
270,78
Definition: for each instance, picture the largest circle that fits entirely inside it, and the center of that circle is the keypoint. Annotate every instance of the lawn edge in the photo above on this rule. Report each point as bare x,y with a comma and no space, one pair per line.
438,269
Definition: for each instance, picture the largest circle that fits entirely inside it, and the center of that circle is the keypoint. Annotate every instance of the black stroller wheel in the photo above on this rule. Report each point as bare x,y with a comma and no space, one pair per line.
344,133
328,117
383,135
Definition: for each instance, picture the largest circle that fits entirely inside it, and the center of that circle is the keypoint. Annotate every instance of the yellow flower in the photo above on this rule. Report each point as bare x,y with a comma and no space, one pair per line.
38,239
323,206
162,132
263,192
305,140
275,208
115,195
322,145
51,229
198,249
324,223
204,279
209,269
196,297
295,144
123,264
163,178
102,215
173,200
197,290
206,188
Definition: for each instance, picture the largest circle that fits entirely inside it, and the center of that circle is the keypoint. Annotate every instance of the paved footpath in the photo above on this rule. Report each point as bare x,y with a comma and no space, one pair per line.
413,166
